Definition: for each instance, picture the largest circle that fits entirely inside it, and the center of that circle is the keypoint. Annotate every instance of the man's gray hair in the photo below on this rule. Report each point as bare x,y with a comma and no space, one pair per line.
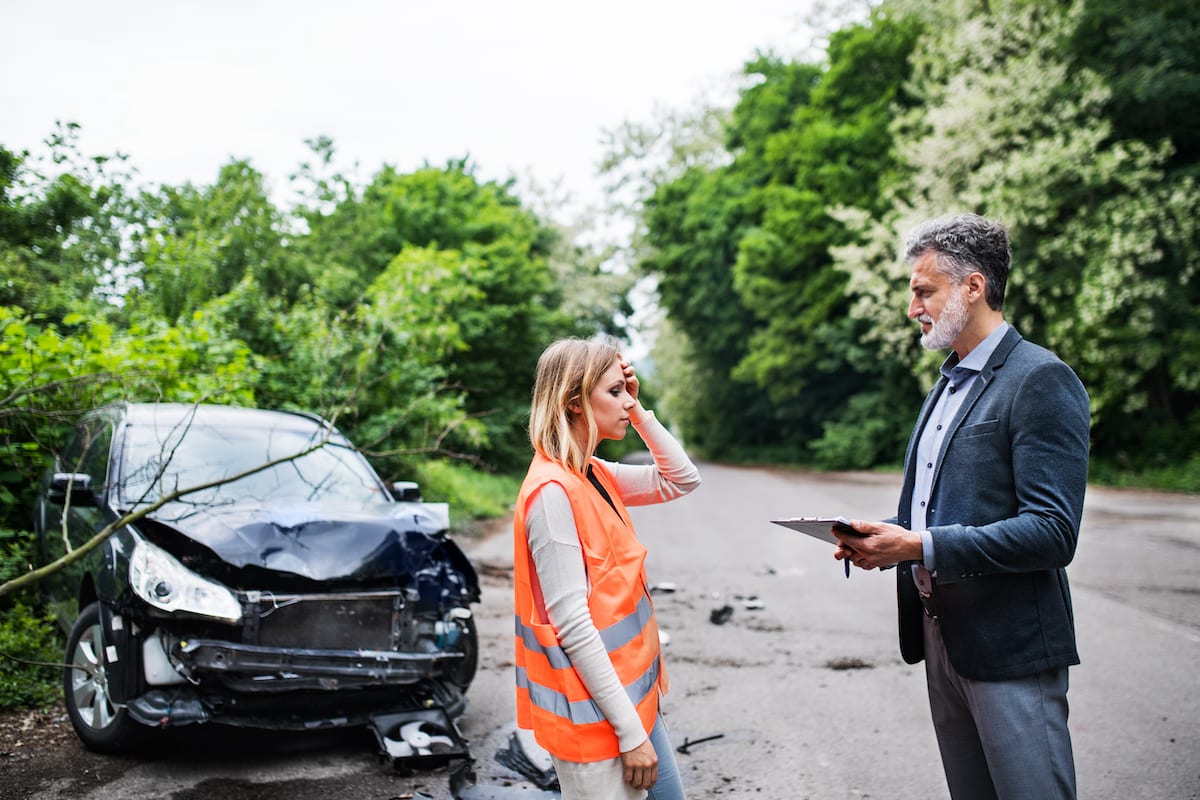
963,244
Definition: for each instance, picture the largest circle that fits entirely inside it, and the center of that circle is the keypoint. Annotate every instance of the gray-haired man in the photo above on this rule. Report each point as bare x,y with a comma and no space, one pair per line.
994,479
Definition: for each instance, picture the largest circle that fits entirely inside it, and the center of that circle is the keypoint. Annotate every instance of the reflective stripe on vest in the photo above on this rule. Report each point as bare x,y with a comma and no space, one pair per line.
583,712
615,636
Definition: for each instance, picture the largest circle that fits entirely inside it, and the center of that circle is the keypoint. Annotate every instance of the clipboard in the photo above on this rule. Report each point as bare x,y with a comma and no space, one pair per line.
817,527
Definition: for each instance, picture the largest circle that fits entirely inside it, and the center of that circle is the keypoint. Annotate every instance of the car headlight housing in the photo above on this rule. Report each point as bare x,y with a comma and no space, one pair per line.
158,578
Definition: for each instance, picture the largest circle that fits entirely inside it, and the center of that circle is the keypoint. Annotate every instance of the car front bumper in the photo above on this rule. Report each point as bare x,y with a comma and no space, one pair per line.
253,668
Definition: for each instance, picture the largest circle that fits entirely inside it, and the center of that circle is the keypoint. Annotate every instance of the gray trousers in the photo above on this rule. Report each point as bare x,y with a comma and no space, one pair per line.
1006,740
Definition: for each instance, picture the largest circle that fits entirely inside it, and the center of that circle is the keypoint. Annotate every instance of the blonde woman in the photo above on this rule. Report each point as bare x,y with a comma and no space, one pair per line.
588,660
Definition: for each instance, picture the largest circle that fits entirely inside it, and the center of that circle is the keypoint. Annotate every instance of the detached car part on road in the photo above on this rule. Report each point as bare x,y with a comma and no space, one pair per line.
305,595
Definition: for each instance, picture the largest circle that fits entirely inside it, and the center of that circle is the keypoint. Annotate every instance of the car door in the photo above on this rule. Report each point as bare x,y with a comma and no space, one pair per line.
75,518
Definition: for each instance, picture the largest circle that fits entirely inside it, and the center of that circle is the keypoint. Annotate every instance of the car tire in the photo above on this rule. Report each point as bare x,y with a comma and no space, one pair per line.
102,726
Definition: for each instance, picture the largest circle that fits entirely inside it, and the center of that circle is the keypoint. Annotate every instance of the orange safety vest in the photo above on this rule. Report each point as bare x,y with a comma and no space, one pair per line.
552,701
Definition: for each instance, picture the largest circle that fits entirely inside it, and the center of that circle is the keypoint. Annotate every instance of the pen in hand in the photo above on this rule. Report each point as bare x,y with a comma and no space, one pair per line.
843,526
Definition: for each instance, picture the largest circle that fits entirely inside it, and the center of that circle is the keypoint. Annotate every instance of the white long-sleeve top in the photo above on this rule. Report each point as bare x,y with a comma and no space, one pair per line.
558,560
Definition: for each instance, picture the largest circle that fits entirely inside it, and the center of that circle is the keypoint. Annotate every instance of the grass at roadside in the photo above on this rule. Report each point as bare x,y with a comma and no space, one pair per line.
1183,477
474,496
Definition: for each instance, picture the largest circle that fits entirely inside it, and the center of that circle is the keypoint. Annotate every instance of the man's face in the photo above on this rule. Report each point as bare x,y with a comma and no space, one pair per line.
937,304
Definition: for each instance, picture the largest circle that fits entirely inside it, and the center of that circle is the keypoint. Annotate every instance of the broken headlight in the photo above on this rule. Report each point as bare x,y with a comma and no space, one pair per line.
159,579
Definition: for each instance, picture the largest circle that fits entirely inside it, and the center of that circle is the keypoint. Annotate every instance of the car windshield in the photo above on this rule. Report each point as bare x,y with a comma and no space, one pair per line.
160,460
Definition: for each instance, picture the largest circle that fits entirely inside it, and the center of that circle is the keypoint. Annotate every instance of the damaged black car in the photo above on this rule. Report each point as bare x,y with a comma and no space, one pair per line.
286,586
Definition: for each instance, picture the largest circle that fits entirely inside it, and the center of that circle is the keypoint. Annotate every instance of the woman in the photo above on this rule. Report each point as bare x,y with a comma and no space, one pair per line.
589,671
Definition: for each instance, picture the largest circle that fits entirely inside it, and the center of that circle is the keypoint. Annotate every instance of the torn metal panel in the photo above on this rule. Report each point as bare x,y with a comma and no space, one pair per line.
318,542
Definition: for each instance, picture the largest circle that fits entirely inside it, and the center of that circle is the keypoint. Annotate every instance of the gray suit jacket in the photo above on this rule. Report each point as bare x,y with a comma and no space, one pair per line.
1004,513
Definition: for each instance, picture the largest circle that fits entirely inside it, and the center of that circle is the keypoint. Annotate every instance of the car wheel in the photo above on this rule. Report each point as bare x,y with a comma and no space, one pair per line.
101,725
468,645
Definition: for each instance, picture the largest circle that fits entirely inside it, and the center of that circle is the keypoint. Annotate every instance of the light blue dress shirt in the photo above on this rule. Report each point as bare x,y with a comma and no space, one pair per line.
960,375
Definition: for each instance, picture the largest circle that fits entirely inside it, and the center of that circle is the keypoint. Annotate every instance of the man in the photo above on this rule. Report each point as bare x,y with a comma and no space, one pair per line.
994,479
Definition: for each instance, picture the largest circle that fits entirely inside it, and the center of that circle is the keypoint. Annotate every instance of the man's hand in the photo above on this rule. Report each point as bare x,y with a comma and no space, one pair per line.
884,545
641,766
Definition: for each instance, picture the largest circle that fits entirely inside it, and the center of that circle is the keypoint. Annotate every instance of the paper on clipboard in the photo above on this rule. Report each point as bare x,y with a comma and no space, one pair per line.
816,527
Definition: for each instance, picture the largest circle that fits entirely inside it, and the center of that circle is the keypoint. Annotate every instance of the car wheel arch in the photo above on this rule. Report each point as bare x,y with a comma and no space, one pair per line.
103,725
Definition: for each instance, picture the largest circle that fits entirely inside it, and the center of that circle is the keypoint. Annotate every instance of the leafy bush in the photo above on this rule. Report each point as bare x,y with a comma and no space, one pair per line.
26,635
1181,477
870,431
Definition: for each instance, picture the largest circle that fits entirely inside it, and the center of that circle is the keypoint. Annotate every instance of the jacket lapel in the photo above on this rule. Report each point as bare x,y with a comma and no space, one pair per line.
978,386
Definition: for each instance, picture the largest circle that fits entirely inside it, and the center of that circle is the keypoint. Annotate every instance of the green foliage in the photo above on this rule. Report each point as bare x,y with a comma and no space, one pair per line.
27,634
60,229
49,374
1015,123
1182,476
198,243
742,249
458,272
1147,54
1071,122
871,430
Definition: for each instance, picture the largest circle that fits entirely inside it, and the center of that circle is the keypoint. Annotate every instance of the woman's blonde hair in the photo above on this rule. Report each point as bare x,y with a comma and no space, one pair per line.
567,371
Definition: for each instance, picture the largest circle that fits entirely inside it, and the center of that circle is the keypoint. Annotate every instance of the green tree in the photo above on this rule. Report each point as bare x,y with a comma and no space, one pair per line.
836,150
1015,125
502,304
49,374
742,250
1147,54
199,242
60,226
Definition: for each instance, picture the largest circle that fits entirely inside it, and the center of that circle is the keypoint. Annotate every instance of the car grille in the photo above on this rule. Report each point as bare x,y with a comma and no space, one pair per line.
330,621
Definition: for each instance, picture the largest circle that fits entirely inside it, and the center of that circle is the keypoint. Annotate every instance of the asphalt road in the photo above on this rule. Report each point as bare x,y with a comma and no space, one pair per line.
802,685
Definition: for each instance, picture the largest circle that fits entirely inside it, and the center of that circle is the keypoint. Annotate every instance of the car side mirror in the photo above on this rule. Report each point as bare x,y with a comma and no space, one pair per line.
406,491
77,484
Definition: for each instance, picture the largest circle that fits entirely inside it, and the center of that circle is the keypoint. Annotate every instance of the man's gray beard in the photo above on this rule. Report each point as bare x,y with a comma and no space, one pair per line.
950,325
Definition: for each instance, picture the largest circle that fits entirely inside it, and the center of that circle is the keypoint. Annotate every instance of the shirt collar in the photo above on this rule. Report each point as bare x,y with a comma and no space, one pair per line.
956,370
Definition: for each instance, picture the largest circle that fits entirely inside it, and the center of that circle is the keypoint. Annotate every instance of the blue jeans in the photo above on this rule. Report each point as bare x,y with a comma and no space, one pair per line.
669,785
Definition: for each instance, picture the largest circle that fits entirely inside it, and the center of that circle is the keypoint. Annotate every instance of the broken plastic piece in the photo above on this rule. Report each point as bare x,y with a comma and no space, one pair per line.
419,739
689,743
720,616
515,758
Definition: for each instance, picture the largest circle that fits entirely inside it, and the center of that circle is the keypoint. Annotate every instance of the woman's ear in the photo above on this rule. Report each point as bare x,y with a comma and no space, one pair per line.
574,406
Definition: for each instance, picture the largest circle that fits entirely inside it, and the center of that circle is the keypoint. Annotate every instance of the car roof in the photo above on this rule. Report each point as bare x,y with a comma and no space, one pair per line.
168,414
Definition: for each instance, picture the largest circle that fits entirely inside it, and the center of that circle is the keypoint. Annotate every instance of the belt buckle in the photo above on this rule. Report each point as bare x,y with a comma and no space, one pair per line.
927,604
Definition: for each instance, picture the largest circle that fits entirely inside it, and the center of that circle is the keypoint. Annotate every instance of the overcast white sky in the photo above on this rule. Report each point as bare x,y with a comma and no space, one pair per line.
522,87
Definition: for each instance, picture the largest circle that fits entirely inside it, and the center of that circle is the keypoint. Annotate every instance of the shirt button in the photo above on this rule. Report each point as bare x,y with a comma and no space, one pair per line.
922,504
929,465
939,427
952,390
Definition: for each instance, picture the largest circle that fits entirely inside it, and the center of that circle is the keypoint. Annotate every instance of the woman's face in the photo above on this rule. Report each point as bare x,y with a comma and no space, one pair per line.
611,403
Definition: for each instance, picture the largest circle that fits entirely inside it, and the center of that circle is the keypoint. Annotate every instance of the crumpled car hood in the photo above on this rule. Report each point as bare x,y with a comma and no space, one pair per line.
314,541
